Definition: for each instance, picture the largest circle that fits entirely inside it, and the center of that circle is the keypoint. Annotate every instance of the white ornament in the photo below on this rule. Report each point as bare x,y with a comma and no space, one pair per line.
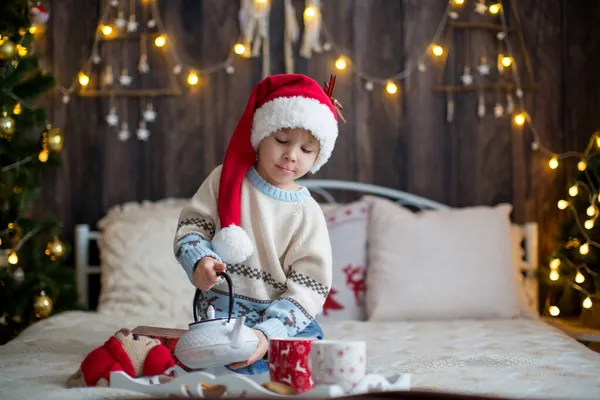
230,69
480,7
510,104
500,35
151,23
422,67
467,78
132,25
96,58
65,99
535,146
124,132
19,275
120,21
326,46
498,110
519,93
177,69
484,68
108,76
143,66
481,107
112,119
114,3
369,86
143,133
453,14
149,113
125,79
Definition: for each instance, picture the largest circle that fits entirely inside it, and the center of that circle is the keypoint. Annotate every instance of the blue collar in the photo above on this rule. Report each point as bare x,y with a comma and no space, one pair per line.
275,193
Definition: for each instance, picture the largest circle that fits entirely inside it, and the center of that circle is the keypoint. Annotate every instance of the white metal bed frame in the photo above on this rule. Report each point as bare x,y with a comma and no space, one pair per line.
528,232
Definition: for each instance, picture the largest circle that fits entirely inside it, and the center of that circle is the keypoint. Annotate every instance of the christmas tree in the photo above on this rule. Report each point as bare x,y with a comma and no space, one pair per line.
34,282
574,269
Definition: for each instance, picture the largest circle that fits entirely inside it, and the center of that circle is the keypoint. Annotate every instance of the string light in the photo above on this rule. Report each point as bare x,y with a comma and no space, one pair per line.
43,156
555,263
340,63
160,41
391,88
562,204
579,278
13,259
193,78
17,109
309,12
106,30
553,163
573,190
584,249
589,224
554,275
494,8
587,303
459,2
520,119
83,79
591,210
239,49
554,311
437,50
581,165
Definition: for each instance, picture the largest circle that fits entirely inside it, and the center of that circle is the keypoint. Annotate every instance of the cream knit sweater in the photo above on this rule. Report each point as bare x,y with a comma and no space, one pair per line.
282,286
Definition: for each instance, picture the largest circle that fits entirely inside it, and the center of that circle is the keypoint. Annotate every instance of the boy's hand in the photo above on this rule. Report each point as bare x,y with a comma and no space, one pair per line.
261,350
205,274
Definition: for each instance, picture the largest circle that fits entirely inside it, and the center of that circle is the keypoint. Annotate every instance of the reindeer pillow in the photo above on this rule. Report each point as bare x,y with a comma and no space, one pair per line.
347,226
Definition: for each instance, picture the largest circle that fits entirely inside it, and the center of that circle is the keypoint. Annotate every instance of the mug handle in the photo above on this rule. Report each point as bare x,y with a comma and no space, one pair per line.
231,297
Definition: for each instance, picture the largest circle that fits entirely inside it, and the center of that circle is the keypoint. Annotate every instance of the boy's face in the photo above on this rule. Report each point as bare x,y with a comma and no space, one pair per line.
286,155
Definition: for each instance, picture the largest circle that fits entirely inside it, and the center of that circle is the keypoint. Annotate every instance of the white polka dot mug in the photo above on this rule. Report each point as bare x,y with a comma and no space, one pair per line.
338,362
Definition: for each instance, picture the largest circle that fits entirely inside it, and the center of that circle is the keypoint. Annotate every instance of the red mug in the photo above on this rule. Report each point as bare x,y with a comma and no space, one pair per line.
288,363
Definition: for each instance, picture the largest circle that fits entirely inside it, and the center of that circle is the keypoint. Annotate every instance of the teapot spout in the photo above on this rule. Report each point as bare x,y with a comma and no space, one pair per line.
236,334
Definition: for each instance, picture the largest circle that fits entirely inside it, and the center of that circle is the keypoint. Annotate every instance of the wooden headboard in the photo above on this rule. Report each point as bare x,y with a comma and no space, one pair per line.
84,235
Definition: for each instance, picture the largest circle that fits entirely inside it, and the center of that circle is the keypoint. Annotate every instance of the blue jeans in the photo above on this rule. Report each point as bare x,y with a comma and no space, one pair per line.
312,330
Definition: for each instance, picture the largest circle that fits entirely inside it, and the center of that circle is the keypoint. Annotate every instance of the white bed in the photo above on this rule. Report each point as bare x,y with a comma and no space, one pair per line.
507,357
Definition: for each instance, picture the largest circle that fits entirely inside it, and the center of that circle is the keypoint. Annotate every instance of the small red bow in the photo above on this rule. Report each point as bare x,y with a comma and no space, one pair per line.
328,87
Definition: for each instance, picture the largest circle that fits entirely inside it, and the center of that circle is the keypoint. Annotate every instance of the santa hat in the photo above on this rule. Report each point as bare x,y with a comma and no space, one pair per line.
113,357
276,102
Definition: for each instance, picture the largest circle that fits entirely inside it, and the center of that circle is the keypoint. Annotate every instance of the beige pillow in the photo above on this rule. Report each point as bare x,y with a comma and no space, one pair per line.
139,272
435,265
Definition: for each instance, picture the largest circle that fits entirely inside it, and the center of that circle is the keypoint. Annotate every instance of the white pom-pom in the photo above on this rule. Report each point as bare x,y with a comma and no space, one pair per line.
232,244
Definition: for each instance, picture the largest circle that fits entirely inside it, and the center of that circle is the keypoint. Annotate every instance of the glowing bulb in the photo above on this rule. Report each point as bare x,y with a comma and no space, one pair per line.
459,2
553,163
13,259
309,12
494,8
17,109
520,119
192,78
239,49
584,249
43,156
554,311
587,303
581,165
391,88
554,275
555,263
106,30
22,50
340,63
591,210
437,50
32,29
160,41
589,224
83,79
562,204
506,61
579,278
261,1
573,191
598,141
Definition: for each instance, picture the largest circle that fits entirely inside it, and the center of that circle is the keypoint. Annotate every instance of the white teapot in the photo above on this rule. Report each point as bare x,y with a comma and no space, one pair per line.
216,342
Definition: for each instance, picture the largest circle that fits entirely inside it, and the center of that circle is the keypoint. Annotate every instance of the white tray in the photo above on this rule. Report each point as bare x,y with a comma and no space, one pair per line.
189,384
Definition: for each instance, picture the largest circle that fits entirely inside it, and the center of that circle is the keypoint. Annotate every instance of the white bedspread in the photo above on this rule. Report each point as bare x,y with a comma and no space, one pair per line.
516,358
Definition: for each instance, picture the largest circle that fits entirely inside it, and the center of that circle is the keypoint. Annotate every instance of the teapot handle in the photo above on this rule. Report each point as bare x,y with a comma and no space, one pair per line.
231,297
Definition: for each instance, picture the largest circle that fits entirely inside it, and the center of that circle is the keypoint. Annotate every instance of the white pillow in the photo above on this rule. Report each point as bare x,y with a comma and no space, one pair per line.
139,272
347,225
434,265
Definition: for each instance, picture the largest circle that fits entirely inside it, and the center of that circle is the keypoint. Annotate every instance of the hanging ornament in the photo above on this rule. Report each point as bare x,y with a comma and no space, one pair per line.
55,249
481,106
125,79
453,14
143,66
327,46
19,275
96,58
230,69
500,35
149,113
449,109
480,7
132,24
535,146
484,68
143,133
114,3
510,104
151,23
7,49
109,77
312,29
66,99
39,14
55,139
369,86
112,119
254,28
124,132
519,93
120,21
498,110
42,305
177,69
422,67
7,126
467,78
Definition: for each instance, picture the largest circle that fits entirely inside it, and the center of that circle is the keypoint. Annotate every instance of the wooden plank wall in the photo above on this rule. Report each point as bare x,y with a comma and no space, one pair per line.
400,141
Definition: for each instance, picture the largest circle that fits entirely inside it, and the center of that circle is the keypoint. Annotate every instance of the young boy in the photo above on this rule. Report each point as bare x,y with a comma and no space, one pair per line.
249,216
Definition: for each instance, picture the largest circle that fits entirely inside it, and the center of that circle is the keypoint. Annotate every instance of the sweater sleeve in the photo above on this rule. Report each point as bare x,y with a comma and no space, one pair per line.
197,224
308,280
